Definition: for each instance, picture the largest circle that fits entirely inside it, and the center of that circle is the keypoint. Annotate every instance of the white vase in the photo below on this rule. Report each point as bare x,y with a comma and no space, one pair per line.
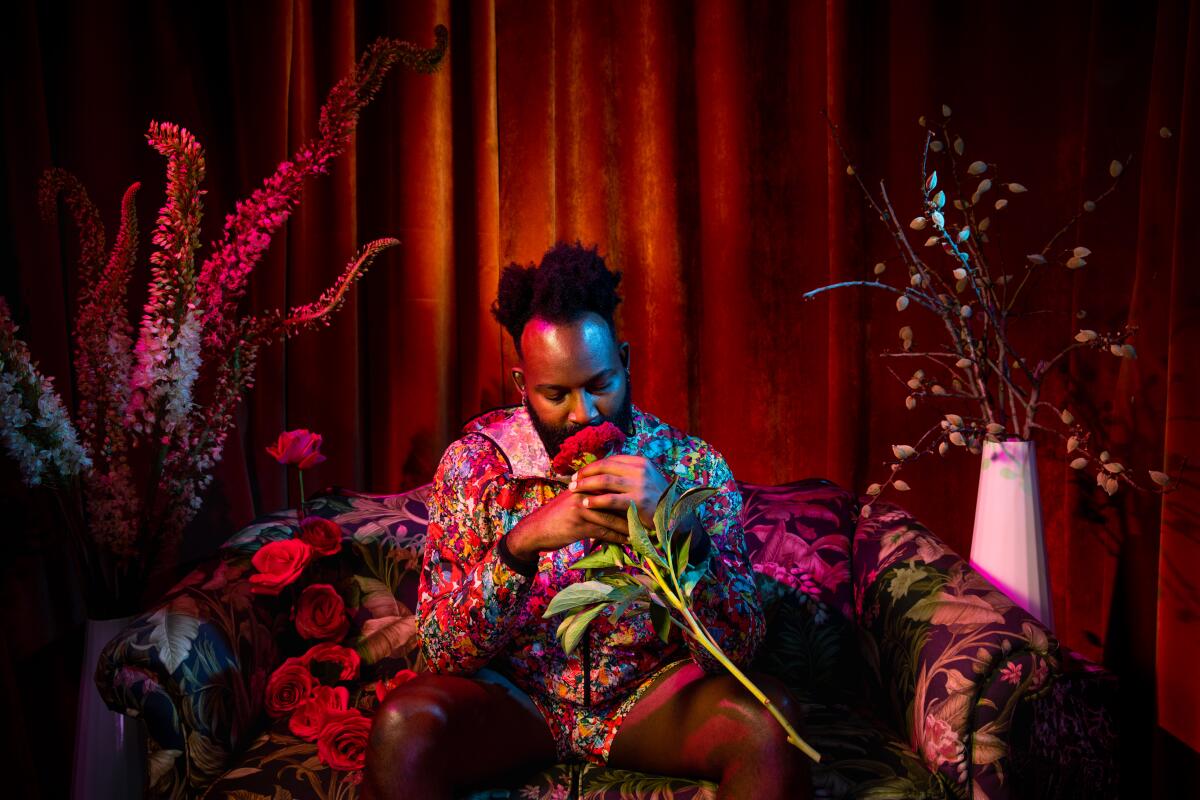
110,759
1008,546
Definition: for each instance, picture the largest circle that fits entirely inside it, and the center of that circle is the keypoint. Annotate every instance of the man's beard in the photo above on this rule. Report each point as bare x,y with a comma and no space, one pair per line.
553,436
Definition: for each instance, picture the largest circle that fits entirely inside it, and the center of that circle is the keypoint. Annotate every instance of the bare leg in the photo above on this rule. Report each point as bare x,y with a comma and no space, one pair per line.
439,733
708,726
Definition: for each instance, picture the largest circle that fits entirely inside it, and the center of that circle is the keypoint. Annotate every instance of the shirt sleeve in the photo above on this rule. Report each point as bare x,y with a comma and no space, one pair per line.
469,598
726,598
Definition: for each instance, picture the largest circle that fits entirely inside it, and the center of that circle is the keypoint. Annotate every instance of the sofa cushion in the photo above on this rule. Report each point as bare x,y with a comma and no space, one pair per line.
860,760
798,538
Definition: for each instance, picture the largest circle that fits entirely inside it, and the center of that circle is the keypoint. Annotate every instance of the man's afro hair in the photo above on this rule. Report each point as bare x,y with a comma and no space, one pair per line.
570,281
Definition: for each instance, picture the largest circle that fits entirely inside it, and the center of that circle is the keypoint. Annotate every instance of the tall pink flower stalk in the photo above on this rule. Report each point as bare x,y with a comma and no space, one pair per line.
153,409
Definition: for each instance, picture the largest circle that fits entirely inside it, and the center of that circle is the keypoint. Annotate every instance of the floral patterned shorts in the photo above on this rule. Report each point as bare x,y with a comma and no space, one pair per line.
581,734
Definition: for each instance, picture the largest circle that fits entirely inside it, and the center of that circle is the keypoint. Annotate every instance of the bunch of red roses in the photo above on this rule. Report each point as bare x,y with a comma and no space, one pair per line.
314,691
306,688
590,444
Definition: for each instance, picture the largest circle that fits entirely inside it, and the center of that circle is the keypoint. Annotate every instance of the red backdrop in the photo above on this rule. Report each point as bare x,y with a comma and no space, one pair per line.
687,140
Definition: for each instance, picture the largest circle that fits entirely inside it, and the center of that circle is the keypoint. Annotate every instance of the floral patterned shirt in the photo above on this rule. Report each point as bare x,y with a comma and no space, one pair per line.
473,610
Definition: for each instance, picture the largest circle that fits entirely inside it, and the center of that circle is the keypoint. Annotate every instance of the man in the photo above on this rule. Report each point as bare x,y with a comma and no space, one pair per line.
503,698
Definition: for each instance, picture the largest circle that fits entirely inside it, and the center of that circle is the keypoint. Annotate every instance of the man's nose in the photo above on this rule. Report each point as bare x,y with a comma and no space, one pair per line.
583,411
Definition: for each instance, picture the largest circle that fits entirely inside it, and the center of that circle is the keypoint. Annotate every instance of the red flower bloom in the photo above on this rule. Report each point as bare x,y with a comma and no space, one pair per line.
320,613
346,658
342,743
324,535
289,687
506,498
278,564
590,444
307,720
299,447
384,687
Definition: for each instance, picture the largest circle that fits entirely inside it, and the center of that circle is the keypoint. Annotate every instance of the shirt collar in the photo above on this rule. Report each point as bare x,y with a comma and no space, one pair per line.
512,431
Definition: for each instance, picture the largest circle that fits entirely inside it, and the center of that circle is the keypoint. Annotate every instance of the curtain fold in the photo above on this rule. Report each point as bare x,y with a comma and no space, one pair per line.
687,141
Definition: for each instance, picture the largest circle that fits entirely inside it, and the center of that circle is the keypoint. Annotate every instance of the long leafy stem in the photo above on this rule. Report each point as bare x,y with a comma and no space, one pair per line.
667,572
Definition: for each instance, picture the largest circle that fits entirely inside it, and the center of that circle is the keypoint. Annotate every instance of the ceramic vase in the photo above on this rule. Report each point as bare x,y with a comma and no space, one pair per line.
109,750
1009,546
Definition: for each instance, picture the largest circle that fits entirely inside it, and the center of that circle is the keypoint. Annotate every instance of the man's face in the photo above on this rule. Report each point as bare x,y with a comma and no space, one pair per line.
574,376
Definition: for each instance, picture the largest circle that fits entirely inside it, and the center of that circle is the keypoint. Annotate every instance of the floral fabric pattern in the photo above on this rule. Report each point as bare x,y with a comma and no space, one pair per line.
474,610
960,654
963,698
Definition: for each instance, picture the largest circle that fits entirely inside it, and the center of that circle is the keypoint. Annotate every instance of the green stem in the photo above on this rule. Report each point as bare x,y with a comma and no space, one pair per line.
714,649
701,635
300,511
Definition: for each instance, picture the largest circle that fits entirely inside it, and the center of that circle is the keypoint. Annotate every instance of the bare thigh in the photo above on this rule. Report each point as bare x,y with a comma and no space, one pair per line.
439,733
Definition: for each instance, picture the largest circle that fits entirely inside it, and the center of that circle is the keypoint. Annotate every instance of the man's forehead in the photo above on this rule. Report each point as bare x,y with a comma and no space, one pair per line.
559,352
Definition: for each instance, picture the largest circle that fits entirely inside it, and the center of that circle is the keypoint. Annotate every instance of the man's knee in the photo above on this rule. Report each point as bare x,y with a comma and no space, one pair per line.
762,733
412,720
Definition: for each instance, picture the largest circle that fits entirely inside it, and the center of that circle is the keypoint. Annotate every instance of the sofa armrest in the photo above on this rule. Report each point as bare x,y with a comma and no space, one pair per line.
956,655
195,668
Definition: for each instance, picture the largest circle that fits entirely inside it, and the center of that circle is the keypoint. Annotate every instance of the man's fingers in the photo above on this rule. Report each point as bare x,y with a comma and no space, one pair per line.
605,535
608,502
612,465
603,482
613,523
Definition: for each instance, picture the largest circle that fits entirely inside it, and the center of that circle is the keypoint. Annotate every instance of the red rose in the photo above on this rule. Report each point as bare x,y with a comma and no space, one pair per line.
320,613
299,447
342,743
323,535
344,657
307,720
384,687
289,687
590,444
278,564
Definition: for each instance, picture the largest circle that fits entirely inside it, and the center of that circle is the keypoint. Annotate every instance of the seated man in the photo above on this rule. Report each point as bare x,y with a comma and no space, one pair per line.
503,698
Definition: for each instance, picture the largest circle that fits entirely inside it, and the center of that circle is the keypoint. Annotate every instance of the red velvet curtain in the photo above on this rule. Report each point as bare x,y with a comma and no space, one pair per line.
687,140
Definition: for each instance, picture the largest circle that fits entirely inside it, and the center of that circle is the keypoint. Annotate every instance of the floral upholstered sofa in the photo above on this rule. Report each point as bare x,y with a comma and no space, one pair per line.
918,678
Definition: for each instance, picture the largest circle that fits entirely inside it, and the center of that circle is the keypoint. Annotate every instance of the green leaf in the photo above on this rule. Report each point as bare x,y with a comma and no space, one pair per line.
681,559
572,629
663,511
690,500
661,617
639,538
600,559
578,594
385,637
376,597
618,608
958,613
692,576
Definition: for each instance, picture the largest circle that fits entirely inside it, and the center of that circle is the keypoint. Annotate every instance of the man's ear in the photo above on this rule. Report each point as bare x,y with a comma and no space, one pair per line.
518,376
623,348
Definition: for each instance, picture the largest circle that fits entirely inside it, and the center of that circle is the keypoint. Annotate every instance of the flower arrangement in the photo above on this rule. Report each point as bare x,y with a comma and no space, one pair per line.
358,629
962,286
155,404
667,571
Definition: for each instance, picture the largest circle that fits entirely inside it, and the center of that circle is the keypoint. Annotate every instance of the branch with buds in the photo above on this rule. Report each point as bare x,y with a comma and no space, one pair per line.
977,361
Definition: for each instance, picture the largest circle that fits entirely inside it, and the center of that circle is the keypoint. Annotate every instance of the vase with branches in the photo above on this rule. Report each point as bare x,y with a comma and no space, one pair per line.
993,394
1000,391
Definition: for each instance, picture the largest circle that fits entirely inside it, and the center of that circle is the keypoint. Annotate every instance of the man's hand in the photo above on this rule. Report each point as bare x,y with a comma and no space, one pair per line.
563,521
612,483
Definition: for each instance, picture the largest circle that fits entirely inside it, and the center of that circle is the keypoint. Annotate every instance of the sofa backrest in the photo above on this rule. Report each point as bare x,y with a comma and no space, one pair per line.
798,536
